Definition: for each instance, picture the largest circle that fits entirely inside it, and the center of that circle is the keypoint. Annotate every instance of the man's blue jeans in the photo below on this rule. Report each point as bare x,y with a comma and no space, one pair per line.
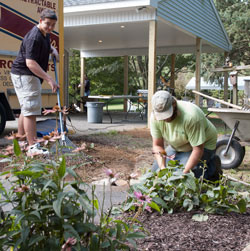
183,157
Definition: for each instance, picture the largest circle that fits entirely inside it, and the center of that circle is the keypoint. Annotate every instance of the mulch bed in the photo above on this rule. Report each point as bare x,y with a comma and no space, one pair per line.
178,232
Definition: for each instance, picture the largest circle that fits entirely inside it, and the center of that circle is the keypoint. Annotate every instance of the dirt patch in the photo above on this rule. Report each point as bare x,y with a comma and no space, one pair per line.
178,232
123,152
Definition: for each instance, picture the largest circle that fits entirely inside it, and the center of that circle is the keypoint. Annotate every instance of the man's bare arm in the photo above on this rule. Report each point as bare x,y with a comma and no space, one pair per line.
194,158
158,150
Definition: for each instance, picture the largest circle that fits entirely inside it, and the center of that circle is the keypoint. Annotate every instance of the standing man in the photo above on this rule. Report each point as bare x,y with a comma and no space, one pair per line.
86,85
190,136
28,72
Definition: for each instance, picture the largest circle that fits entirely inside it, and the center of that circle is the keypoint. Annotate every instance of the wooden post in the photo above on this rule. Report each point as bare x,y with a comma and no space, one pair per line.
66,78
225,73
82,90
235,94
125,83
61,53
151,65
198,70
234,82
172,77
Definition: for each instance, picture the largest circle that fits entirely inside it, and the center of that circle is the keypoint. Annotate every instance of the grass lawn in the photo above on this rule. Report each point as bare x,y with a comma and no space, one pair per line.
116,105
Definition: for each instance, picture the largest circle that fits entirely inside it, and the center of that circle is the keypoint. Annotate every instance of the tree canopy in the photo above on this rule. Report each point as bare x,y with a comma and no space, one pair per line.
235,18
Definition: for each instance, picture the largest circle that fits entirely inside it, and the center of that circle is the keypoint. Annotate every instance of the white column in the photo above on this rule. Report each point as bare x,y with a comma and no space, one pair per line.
82,90
151,65
125,83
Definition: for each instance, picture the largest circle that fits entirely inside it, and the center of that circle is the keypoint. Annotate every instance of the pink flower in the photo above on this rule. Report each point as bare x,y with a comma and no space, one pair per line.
55,135
171,157
23,145
140,204
22,189
141,197
16,136
46,112
33,154
8,150
55,109
164,155
52,137
68,244
109,173
82,147
142,200
133,175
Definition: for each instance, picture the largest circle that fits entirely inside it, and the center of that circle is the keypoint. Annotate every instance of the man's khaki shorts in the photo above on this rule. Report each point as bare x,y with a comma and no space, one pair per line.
28,89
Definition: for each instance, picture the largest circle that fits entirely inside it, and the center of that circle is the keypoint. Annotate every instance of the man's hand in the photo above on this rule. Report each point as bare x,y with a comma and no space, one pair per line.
53,85
159,152
38,71
54,53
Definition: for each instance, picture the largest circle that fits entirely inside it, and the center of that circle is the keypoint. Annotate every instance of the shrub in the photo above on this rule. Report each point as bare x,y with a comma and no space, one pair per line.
170,190
50,213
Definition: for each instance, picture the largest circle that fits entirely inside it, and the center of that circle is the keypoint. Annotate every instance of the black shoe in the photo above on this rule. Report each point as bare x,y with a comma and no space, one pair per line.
218,171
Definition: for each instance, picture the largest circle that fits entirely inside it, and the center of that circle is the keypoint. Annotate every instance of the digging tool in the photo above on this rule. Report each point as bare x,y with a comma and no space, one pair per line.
65,143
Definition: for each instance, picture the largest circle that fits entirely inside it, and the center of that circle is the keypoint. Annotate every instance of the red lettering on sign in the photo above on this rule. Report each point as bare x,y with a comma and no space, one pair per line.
6,63
9,64
2,63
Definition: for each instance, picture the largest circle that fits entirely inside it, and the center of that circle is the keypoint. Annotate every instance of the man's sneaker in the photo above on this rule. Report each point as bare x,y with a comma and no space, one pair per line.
37,150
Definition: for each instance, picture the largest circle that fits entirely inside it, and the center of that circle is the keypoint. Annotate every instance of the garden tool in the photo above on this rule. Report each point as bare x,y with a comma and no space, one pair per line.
65,144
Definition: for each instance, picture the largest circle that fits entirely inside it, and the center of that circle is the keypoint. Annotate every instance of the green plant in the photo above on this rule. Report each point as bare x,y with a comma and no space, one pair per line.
50,212
171,191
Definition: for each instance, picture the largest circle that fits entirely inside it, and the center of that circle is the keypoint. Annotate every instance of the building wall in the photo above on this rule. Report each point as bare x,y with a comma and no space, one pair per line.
198,17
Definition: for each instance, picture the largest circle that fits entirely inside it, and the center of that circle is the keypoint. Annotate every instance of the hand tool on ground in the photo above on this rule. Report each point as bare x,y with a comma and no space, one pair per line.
65,144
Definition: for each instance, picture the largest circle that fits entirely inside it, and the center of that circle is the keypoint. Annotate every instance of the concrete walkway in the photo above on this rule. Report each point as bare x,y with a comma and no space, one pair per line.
79,125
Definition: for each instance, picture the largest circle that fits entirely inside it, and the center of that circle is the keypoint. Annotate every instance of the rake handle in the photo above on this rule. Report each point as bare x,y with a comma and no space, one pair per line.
58,100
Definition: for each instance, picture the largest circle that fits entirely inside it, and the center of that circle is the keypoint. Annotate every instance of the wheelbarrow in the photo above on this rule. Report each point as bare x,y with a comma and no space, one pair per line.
231,148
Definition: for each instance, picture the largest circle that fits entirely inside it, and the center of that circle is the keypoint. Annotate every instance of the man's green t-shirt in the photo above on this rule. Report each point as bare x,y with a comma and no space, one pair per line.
190,128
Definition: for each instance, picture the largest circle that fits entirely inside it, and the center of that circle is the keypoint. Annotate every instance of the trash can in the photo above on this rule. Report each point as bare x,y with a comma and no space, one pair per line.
95,111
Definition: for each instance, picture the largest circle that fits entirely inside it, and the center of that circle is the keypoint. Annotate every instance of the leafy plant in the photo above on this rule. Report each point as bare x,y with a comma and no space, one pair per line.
171,191
46,211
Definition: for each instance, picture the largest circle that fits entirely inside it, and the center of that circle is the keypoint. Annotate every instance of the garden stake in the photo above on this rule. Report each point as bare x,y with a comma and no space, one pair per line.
65,143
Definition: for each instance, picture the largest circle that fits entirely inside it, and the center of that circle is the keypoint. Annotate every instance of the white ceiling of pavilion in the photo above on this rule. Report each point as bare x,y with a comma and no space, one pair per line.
87,24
